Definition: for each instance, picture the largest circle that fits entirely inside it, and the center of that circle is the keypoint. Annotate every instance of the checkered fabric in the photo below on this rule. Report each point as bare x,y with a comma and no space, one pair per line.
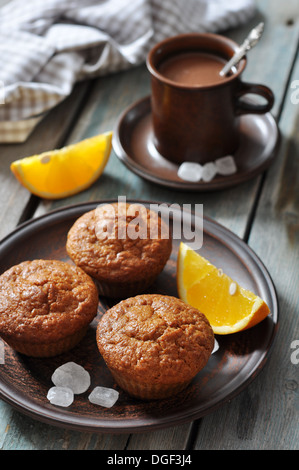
46,46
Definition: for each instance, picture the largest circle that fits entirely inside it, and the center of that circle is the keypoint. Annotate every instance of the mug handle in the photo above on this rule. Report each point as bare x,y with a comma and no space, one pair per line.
244,107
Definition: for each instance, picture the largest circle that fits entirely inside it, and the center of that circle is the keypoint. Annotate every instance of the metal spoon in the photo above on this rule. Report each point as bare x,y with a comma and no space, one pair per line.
251,40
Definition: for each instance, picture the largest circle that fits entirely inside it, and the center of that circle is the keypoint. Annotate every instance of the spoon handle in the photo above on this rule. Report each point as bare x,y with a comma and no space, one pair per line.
252,39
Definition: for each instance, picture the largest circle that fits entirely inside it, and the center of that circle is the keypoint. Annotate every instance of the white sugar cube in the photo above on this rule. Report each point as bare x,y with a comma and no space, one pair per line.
61,396
103,396
226,165
73,376
190,171
208,171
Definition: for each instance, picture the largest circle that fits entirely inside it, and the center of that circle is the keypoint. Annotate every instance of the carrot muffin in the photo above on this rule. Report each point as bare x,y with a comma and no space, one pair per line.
154,344
122,246
45,306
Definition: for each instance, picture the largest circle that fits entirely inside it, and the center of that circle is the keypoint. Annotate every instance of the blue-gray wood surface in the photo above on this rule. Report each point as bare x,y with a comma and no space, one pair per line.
263,211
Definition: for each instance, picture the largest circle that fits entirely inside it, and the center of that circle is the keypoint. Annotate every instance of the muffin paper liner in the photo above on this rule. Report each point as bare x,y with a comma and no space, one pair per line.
147,391
122,291
47,349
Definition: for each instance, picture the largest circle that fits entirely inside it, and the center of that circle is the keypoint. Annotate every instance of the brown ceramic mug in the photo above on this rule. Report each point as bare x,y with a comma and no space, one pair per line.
195,111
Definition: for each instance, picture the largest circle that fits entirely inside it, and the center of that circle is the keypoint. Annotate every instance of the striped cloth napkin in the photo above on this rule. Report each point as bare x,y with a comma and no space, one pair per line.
47,46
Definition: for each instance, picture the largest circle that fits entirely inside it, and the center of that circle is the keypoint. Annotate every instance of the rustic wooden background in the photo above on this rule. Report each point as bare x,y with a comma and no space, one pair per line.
264,212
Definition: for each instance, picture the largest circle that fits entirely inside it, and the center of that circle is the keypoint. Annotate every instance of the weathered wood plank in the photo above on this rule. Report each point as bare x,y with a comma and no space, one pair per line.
275,237
174,438
24,433
271,60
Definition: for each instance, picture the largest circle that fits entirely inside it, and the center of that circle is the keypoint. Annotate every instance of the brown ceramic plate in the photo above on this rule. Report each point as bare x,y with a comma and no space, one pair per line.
24,381
133,144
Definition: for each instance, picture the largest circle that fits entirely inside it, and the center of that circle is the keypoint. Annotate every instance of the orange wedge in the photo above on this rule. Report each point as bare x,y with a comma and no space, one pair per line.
228,306
63,172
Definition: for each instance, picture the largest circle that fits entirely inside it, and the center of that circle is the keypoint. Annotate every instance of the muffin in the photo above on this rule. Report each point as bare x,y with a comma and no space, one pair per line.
45,306
154,345
123,247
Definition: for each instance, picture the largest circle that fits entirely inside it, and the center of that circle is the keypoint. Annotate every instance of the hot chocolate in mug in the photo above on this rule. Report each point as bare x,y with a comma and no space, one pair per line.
195,111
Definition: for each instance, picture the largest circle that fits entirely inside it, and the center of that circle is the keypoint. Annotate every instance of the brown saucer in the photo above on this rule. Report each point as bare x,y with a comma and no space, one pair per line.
133,144
24,381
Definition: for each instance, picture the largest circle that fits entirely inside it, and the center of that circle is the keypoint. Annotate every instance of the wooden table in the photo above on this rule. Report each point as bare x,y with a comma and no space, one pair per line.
263,211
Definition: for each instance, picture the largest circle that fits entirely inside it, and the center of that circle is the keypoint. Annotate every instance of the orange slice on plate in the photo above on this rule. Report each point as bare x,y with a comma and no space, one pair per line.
63,172
228,306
